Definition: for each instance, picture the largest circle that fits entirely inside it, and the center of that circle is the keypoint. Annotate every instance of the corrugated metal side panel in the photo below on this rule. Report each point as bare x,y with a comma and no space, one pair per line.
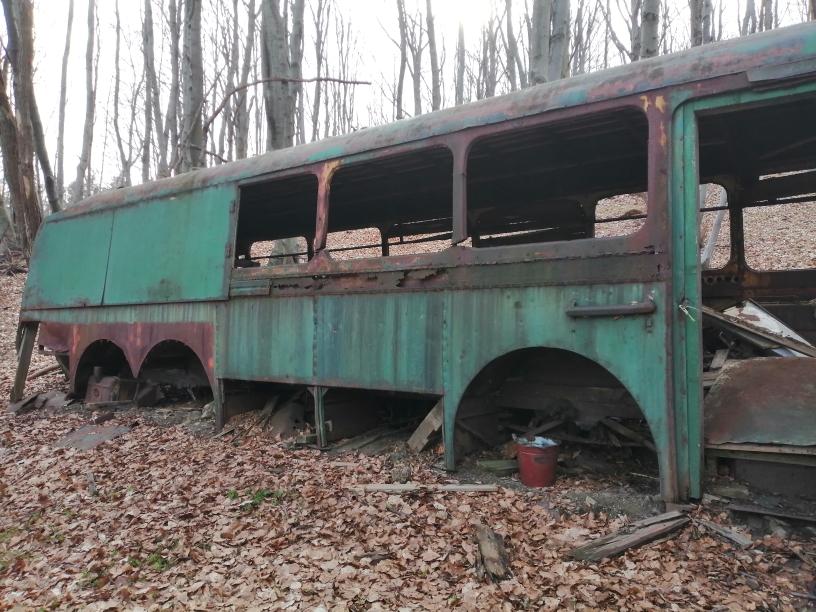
391,341
171,250
266,339
67,268
485,324
199,312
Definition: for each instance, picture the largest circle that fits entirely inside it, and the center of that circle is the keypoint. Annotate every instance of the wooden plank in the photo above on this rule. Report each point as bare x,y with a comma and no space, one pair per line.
431,424
735,537
751,509
719,360
492,553
765,448
28,335
411,487
621,429
621,541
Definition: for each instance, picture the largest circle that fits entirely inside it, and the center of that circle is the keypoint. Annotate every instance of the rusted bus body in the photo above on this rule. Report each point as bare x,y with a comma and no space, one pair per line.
510,186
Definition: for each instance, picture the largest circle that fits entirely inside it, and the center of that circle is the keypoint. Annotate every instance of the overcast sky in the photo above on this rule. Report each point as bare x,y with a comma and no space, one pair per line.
373,21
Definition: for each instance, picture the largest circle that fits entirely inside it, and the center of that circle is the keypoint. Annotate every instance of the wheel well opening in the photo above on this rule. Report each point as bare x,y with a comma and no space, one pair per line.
558,394
103,354
176,369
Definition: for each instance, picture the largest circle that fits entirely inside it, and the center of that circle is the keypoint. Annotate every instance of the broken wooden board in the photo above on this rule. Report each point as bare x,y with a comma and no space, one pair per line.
411,487
88,437
631,536
492,553
735,537
50,400
431,424
501,467
751,509
624,431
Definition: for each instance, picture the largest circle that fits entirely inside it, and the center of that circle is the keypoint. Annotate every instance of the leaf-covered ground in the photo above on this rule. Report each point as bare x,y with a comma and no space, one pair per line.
180,521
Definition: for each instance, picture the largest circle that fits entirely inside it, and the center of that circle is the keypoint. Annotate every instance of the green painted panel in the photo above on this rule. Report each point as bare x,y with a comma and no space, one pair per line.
68,265
171,250
266,339
389,341
485,324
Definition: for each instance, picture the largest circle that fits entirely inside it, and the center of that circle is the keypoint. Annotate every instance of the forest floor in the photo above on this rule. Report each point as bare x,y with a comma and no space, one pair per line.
160,517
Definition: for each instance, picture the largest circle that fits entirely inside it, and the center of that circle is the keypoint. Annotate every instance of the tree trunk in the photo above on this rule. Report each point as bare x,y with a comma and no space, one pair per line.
17,133
275,63
696,9
510,45
124,161
171,123
649,27
320,19
241,105
540,41
193,93
766,15
403,48
63,94
152,90
813,9
295,70
436,77
460,66
749,20
559,42
78,189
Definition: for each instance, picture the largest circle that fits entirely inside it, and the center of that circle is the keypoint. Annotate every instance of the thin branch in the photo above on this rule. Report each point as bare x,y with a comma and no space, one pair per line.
243,86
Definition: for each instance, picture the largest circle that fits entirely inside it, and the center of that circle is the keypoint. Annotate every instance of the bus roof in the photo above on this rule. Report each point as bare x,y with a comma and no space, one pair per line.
776,54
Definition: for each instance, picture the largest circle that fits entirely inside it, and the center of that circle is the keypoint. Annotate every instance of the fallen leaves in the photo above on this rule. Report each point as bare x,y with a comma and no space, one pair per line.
188,522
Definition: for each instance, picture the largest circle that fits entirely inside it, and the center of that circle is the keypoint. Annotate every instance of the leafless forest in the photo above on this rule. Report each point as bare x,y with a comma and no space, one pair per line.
197,83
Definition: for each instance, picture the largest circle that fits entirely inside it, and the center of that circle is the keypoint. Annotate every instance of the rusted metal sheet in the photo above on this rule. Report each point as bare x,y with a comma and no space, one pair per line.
137,339
109,389
767,400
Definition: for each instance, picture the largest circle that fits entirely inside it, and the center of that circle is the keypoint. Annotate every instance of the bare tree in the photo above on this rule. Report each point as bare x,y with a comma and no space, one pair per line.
320,17
436,76
460,67
559,41
275,63
152,94
192,140
540,41
749,20
78,188
696,9
488,61
241,103
17,132
813,9
62,99
511,44
171,124
766,15
649,27
403,63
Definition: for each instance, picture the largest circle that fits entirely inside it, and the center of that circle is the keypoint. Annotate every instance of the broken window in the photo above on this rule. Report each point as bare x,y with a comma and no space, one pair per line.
768,150
777,237
276,221
397,205
566,180
715,230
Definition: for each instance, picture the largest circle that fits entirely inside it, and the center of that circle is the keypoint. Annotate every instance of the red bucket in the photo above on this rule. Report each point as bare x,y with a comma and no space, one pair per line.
537,465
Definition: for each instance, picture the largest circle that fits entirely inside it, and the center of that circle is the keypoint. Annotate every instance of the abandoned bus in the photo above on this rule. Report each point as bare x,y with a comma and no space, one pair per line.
538,251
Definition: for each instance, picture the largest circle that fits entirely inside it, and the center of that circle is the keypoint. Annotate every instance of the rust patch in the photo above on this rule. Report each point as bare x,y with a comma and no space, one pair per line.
137,339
